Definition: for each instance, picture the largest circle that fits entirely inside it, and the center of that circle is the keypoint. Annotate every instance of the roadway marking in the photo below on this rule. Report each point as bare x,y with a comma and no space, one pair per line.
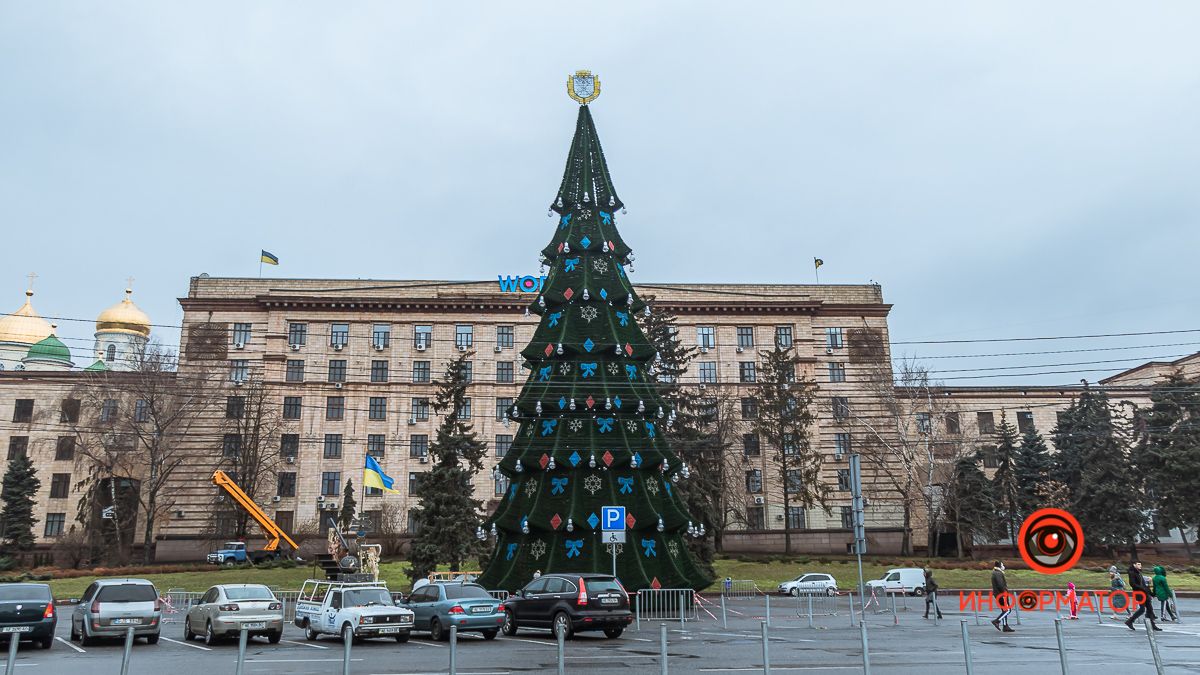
71,645
185,644
464,672
534,642
297,660
759,670
304,644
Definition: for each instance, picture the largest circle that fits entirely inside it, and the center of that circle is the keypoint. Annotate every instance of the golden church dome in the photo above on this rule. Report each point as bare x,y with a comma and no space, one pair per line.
124,317
24,325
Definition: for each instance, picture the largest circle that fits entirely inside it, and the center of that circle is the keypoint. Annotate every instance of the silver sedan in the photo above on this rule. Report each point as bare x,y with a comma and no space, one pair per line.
226,609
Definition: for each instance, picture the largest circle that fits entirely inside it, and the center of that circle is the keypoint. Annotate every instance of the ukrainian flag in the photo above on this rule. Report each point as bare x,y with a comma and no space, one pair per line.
373,476
269,258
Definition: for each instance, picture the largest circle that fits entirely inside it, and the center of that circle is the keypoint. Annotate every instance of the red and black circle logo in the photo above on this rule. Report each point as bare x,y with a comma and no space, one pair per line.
1050,541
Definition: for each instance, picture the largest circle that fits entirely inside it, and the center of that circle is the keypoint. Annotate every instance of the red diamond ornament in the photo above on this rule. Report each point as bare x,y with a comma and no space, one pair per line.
560,248
611,246
655,584
628,349
590,401
608,458
630,521
556,521
568,293
544,460
549,349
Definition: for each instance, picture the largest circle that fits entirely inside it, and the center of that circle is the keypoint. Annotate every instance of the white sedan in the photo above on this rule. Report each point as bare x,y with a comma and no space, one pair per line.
810,584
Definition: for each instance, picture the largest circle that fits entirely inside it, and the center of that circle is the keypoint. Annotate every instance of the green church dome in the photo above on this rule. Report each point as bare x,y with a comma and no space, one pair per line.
98,367
50,348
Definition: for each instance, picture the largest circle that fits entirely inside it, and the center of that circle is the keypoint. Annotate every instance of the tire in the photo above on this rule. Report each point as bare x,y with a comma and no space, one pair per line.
613,633
229,562
347,628
46,643
795,592
152,639
831,591
74,635
562,622
210,638
918,591
436,632
402,637
310,634
509,627
187,630
85,639
490,634
274,638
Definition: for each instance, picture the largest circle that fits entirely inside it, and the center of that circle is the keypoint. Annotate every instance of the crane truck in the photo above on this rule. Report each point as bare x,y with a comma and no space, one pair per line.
234,552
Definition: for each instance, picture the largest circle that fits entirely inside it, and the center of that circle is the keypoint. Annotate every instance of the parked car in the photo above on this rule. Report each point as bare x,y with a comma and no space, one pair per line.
813,583
907,580
227,608
28,611
571,603
438,605
235,553
110,606
360,610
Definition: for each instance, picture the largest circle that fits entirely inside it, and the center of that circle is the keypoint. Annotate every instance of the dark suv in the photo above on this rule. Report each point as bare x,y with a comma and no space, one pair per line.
570,603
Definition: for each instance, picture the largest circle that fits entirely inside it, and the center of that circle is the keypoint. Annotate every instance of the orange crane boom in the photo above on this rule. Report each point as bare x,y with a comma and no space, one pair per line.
274,532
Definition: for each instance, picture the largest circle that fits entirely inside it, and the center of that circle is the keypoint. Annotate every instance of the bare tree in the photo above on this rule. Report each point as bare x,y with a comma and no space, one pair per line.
250,444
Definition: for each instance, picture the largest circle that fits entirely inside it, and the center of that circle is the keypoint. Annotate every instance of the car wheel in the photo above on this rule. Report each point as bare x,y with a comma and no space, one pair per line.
562,623
402,637
275,637
795,592
490,634
918,591
831,591
210,638
187,630
230,562
612,633
74,635
347,633
85,639
152,639
510,623
435,631
46,643
310,634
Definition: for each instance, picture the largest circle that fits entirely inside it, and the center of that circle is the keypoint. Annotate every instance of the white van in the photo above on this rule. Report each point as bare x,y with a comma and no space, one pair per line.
908,580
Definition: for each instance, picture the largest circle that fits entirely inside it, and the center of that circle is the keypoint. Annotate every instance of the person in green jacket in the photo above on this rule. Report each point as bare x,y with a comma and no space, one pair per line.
1163,592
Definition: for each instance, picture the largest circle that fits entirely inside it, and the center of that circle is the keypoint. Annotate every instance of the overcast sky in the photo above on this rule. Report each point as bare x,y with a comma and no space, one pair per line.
1003,170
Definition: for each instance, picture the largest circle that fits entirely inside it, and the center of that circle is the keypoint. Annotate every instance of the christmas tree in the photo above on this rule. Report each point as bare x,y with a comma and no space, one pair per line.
590,415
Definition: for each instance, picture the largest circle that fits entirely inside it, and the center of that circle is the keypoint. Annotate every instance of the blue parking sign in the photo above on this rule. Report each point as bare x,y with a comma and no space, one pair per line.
612,518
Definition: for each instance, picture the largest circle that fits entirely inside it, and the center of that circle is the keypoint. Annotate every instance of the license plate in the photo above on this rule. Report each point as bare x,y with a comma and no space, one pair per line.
17,629
125,622
254,625
610,601
481,609
389,631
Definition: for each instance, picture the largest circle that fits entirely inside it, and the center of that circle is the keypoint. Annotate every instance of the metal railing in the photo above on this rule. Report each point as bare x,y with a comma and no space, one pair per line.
665,604
499,595
739,588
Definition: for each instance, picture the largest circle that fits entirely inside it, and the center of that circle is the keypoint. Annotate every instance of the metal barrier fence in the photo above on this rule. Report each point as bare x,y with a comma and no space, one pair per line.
739,588
666,604
499,595
815,603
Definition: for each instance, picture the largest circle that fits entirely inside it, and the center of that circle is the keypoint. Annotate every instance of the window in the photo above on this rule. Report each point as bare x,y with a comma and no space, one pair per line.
108,410
468,371
339,334
379,371
23,410
298,334
333,446
55,522
295,370
953,425
414,517
987,422
749,408
285,484
291,407
381,336
833,338
110,353
420,409
286,520
990,460
841,407
414,477
335,407
503,444
790,444
18,446
420,371
337,370
70,411
750,446
745,337
463,336
376,445
923,423
706,337
373,491
795,518
239,370
746,371
756,518
794,482
499,485
241,334
847,517
783,336
331,483
841,443
65,448
504,371
289,445
504,337
503,405
141,410
837,372
377,408
231,446
708,372
235,407
464,410
843,479
754,481
422,337
418,445
1025,422
60,485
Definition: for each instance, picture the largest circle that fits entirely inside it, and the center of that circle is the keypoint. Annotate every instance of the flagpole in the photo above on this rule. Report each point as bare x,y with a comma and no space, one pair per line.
260,267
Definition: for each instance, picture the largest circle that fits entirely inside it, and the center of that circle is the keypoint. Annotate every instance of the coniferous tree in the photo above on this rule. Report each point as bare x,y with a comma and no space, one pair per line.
972,504
349,505
448,517
1169,448
1004,482
17,496
1032,469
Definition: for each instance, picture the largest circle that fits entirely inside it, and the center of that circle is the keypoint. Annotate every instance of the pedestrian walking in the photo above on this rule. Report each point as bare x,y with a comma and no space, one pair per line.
1137,582
931,594
1000,593
1165,597
1072,600
1119,603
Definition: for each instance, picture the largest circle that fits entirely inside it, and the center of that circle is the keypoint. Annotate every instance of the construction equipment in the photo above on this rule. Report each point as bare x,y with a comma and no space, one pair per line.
270,528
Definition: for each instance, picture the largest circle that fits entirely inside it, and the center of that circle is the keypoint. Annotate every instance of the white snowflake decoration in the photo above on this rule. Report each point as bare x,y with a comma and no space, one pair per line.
652,486
613,367
575,425
592,484
589,313
673,549
600,265
531,487
585,214
537,549
564,368
631,425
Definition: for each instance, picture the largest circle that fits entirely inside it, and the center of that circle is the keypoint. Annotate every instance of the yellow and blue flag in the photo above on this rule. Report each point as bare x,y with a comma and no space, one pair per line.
269,258
817,262
373,476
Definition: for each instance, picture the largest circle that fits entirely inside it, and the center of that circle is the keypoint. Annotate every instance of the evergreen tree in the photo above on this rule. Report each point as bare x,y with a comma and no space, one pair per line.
1169,450
591,418
1005,484
349,505
1032,469
448,518
19,492
972,504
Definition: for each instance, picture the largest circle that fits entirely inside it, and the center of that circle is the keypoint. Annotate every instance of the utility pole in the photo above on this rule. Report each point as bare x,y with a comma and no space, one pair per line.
860,533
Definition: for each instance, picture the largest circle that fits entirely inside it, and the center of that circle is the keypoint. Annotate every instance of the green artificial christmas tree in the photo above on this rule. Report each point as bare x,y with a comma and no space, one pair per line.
591,417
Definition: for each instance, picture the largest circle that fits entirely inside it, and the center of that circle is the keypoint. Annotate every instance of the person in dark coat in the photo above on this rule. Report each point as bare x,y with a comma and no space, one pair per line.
1166,597
931,594
1000,593
1137,582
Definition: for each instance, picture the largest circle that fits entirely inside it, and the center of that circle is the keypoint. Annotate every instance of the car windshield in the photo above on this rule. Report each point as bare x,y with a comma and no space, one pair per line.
465,591
601,585
127,593
31,592
249,593
362,597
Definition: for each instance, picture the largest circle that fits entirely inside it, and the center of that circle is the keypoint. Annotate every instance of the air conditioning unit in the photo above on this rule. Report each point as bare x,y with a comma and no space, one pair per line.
276,499
702,386
289,459
238,383
420,346
320,499
295,348
498,348
829,350
462,348
741,349
338,347
704,350
424,459
378,347
412,420
239,345
760,500
778,516
337,385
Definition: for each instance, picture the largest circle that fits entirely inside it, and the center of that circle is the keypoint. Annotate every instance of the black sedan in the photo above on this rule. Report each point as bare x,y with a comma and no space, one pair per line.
27,610
570,603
